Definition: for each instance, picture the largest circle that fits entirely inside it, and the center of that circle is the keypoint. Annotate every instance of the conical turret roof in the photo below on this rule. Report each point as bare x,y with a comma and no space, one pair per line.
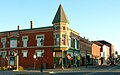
60,16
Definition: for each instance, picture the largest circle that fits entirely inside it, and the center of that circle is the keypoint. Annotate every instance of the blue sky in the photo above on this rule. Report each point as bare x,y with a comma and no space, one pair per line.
94,19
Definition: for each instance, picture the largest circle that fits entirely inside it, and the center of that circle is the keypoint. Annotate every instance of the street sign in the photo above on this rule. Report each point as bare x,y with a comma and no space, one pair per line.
69,57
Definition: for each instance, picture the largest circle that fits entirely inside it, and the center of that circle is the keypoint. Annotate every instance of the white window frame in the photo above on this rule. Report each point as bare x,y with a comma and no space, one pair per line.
69,41
3,56
24,53
3,42
39,53
25,41
75,43
13,41
39,44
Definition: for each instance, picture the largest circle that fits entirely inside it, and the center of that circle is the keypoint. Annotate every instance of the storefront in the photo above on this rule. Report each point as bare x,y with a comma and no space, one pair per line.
62,60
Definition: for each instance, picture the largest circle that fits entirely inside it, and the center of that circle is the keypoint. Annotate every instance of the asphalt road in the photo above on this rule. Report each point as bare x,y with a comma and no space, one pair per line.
89,73
99,70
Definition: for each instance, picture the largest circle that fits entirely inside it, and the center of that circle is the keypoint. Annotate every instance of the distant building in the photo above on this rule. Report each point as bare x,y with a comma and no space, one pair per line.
111,50
106,51
96,52
86,51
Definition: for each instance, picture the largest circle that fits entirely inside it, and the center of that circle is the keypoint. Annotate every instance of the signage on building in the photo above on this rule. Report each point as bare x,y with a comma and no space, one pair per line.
78,57
69,57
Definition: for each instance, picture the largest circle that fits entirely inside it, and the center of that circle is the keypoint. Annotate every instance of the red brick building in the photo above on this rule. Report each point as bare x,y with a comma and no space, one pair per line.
86,51
106,51
96,52
49,44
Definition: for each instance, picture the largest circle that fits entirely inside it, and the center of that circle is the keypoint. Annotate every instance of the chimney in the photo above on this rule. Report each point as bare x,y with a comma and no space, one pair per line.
18,27
31,24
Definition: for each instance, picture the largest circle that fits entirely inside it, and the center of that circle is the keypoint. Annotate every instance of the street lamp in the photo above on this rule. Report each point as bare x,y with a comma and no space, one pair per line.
34,56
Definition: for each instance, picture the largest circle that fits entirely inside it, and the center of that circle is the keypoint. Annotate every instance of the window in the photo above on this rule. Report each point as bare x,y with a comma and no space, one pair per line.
13,53
63,39
39,53
40,40
25,40
73,42
57,37
78,44
25,53
69,41
63,28
3,41
57,28
13,42
3,54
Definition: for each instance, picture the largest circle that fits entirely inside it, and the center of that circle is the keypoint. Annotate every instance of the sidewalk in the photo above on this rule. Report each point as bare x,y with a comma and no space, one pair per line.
82,68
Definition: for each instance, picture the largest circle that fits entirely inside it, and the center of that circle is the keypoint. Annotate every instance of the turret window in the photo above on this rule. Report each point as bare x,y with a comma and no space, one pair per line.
57,37
63,39
63,28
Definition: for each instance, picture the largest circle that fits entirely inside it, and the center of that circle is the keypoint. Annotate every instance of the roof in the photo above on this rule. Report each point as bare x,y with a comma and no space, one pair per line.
60,16
98,43
103,42
28,29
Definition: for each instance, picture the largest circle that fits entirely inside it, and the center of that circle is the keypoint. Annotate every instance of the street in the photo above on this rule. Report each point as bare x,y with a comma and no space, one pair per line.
90,73
99,70
90,70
